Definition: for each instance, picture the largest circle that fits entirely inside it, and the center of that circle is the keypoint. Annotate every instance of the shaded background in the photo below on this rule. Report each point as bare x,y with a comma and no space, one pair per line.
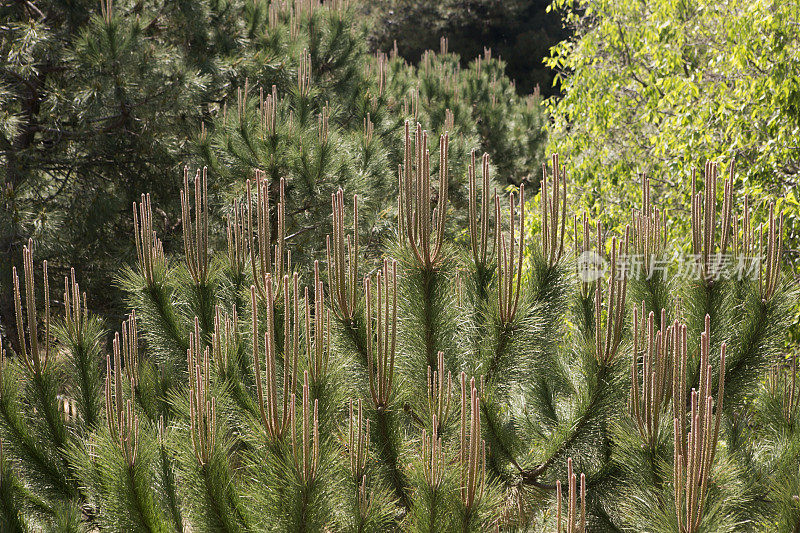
518,31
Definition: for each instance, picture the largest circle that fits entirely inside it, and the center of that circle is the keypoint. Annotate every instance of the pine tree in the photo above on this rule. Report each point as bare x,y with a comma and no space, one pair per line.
104,101
329,115
99,99
500,383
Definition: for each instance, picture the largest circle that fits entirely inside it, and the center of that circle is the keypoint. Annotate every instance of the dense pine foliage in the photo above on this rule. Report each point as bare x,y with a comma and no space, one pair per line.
650,88
459,386
102,103
519,31
358,298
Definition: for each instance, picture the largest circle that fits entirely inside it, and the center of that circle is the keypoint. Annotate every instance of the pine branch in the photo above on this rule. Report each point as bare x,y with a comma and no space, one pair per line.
80,333
12,496
167,478
590,412
387,445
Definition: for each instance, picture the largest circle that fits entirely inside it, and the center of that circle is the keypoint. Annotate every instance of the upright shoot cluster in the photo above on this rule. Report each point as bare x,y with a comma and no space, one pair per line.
129,349
439,392
342,253
195,232
553,205
225,339
583,243
382,340
369,130
202,404
35,358
433,457
358,441
149,248
317,331
422,229
76,313
266,247
479,224
269,110
575,524
783,388
609,336
237,239
648,230
704,221
472,450
769,275
274,416
241,99
653,351
694,451
306,448
304,74
123,422
509,260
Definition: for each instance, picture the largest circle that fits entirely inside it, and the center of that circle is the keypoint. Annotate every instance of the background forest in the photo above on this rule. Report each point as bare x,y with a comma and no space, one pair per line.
324,265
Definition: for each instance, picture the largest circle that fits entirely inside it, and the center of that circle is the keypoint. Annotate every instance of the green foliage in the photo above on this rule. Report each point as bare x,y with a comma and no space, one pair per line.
452,390
443,361
652,89
329,115
102,103
125,496
98,108
519,31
